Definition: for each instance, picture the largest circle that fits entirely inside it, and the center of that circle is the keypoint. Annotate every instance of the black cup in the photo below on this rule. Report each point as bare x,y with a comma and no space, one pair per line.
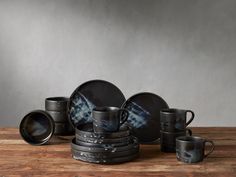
174,120
191,149
37,127
168,139
108,119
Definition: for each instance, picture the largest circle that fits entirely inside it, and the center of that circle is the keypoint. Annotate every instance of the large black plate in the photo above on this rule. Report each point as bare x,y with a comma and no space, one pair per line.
89,95
144,116
76,155
102,145
133,144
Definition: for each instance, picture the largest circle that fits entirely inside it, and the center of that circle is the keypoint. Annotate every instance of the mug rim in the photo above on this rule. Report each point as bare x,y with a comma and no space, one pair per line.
190,139
170,111
57,99
105,109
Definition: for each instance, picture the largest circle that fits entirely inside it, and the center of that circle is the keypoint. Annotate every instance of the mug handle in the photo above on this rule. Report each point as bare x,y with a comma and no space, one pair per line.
212,148
192,117
124,114
189,131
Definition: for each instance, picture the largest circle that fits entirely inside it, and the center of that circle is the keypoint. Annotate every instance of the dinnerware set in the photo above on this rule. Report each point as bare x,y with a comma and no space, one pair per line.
108,128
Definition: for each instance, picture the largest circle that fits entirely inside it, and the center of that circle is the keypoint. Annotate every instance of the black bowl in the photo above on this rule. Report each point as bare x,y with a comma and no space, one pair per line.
58,116
37,127
63,129
56,104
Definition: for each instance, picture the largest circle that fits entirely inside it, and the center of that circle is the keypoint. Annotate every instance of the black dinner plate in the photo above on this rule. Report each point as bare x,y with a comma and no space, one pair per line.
133,144
101,145
144,116
89,95
77,155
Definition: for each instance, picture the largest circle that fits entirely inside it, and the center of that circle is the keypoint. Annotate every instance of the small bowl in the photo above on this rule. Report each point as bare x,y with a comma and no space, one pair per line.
56,103
37,127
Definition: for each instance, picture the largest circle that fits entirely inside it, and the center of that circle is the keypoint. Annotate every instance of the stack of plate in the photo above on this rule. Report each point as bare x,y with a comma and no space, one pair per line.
109,148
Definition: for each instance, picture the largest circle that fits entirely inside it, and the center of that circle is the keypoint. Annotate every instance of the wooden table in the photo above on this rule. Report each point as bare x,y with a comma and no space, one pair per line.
18,158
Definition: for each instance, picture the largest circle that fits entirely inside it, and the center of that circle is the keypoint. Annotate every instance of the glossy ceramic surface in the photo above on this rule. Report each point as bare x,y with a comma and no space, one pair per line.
108,119
173,120
144,116
192,149
37,127
91,94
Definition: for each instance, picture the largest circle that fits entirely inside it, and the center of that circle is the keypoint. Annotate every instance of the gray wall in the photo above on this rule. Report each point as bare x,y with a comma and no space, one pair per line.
184,51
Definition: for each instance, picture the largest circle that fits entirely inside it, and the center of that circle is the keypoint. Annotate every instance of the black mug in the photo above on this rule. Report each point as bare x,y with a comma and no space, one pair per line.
108,119
168,139
173,120
191,149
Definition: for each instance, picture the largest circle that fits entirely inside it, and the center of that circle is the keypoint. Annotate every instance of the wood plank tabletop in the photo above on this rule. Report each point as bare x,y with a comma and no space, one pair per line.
18,158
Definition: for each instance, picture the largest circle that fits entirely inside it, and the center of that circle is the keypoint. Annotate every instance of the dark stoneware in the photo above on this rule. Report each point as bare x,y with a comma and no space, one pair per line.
77,155
37,127
58,116
133,144
63,129
144,116
105,155
108,119
91,94
86,130
173,120
192,149
56,104
102,145
168,140
103,140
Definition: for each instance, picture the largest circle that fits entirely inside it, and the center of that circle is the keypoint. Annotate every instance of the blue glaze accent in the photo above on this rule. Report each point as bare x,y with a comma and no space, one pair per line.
81,110
138,116
107,125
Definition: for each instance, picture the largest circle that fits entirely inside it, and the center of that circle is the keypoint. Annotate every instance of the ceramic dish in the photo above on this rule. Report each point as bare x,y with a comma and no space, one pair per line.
62,129
58,116
76,155
105,155
89,95
37,127
56,103
102,145
132,145
144,116
103,140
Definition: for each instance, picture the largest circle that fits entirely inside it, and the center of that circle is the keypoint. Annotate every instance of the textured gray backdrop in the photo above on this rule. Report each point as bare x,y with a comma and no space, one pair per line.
184,51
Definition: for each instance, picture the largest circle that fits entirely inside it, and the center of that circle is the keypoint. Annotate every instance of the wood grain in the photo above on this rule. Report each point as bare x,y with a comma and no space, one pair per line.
18,158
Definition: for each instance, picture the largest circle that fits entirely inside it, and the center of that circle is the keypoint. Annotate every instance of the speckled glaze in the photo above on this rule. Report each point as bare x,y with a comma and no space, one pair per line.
192,149
116,160
173,120
144,116
133,144
86,130
168,139
103,140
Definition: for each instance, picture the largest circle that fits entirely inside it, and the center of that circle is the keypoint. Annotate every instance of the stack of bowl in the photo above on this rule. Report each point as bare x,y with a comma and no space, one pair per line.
57,107
103,146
